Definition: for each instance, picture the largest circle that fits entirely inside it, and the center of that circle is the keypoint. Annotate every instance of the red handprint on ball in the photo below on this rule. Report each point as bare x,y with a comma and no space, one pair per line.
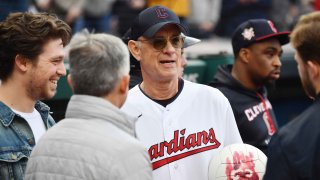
242,167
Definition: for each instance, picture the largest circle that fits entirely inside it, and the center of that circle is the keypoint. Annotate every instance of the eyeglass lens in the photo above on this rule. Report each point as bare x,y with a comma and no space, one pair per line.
161,43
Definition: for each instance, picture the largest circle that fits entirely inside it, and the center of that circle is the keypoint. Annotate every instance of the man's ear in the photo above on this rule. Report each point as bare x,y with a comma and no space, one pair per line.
244,54
124,84
69,80
313,69
134,49
21,63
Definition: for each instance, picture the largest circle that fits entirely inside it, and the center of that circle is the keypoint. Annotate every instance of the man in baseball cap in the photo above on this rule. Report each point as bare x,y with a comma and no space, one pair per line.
135,71
181,123
257,50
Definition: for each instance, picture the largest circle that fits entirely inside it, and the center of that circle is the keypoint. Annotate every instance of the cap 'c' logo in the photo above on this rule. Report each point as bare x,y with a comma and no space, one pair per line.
272,26
162,13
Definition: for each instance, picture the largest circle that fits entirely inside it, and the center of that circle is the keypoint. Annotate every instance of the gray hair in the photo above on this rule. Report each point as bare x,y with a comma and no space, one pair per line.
97,62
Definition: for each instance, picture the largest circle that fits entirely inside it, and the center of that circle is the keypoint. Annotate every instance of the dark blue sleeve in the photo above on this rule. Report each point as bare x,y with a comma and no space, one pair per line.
278,166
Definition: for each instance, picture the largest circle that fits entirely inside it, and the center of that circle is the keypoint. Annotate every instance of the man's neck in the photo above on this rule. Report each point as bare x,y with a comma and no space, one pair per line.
243,78
15,97
160,90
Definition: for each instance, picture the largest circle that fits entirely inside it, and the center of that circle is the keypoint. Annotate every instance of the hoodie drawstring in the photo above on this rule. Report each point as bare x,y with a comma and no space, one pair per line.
269,122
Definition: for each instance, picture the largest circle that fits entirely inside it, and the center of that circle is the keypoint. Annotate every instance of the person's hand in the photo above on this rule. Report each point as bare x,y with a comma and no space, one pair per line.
137,4
207,26
73,14
43,4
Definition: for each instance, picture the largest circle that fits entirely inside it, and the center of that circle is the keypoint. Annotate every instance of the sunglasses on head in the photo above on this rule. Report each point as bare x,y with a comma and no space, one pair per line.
159,43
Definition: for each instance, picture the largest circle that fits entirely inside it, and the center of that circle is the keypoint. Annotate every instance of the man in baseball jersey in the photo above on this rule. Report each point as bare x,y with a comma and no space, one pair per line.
182,124
257,49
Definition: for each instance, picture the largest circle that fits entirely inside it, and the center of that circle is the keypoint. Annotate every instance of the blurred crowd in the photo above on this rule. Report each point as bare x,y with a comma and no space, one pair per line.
206,19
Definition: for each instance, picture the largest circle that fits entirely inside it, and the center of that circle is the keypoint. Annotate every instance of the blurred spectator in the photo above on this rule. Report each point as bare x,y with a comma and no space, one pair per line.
8,6
68,10
97,15
203,17
285,13
298,8
125,11
316,5
94,15
188,41
280,15
234,12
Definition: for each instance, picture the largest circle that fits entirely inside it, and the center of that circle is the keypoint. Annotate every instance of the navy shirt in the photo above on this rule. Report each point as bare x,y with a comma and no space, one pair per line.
294,152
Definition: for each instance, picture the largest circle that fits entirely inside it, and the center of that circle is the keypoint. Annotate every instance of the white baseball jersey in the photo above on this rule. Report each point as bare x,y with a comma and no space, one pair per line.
183,136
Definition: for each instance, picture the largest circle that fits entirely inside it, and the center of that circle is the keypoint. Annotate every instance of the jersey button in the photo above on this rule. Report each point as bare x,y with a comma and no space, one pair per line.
176,166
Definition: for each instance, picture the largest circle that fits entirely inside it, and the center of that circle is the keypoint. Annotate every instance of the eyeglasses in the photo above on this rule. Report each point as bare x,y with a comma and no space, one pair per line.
159,43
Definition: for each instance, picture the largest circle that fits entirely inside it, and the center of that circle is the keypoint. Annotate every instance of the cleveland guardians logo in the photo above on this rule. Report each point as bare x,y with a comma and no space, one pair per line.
200,142
162,13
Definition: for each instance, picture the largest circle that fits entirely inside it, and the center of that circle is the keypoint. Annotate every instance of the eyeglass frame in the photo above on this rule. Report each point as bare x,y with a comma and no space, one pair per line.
164,45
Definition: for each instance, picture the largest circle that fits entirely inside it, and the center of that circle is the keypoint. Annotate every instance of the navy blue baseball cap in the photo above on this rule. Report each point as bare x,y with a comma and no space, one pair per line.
150,21
256,30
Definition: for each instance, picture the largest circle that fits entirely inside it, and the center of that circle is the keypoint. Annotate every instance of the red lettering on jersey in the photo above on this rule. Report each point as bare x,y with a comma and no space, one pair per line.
181,143
191,141
154,152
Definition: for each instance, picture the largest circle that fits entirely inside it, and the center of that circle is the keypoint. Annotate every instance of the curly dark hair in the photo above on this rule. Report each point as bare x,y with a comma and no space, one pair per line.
25,34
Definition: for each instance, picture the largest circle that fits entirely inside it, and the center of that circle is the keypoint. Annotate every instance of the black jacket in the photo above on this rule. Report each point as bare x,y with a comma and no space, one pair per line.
248,107
294,152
